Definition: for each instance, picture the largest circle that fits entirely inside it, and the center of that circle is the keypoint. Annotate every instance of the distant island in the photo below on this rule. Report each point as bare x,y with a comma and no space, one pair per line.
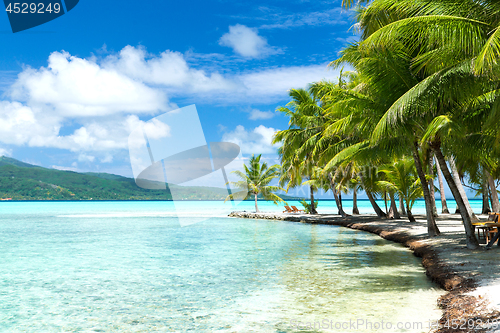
23,181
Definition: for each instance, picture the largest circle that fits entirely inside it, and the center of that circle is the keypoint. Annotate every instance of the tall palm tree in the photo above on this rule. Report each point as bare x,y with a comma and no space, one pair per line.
255,181
349,115
298,141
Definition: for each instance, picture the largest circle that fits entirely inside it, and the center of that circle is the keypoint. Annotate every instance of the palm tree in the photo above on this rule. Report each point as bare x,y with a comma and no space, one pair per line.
299,140
453,48
386,27
255,181
444,206
401,176
349,115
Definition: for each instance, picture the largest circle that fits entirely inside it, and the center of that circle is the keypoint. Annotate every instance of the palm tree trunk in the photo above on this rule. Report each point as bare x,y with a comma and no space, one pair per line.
338,201
313,209
256,207
432,228
470,239
401,205
495,205
393,211
486,198
411,218
431,183
444,209
355,210
385,202
456,177
375,206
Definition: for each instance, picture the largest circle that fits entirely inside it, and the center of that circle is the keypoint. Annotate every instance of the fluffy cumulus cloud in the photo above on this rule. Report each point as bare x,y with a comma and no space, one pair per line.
246,42
76,87
23,125
254,141
169,69
90,105
26,126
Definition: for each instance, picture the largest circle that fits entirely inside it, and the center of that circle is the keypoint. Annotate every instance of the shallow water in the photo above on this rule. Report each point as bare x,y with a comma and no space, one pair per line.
130,267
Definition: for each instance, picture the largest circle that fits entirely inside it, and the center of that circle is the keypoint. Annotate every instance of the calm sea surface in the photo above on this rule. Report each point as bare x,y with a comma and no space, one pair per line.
130,267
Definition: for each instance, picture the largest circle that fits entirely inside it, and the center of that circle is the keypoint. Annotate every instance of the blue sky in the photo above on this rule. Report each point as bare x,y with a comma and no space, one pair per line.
73,87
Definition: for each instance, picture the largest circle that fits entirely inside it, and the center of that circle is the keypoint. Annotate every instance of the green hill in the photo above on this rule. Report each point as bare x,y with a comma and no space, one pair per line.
10,161
23,181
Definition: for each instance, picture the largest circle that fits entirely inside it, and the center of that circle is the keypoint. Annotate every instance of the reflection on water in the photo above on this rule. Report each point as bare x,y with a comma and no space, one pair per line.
144,274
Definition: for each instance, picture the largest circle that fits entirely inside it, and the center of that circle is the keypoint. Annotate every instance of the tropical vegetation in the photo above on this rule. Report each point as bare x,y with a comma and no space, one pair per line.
256,181
422,86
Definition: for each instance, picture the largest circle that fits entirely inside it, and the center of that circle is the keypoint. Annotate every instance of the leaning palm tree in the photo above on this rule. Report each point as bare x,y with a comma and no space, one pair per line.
255,181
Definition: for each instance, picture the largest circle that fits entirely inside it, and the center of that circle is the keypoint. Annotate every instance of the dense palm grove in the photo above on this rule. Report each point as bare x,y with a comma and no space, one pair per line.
422,96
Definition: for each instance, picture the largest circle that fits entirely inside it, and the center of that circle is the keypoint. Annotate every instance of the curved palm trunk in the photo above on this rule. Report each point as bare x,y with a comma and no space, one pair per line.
432,228
393,211
456,177
486,199
338,201
256,207
495,204
375,206
431,184
401,205
444,209
355,210
337,196
470,239
313,210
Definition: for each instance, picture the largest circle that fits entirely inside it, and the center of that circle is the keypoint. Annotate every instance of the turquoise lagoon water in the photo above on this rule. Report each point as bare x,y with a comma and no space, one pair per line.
130,267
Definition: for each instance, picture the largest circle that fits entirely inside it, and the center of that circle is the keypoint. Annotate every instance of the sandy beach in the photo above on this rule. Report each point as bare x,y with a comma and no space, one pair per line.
470,277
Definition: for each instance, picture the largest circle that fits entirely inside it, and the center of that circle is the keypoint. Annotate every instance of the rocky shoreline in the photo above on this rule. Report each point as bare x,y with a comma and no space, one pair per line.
459,278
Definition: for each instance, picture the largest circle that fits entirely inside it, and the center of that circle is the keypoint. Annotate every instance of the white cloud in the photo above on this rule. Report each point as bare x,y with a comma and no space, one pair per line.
107,159
258,115
86,158
332,16
135,82
246,42
256,141
103,98
21,124
76,87
276,82
64,168
5,152
169,69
